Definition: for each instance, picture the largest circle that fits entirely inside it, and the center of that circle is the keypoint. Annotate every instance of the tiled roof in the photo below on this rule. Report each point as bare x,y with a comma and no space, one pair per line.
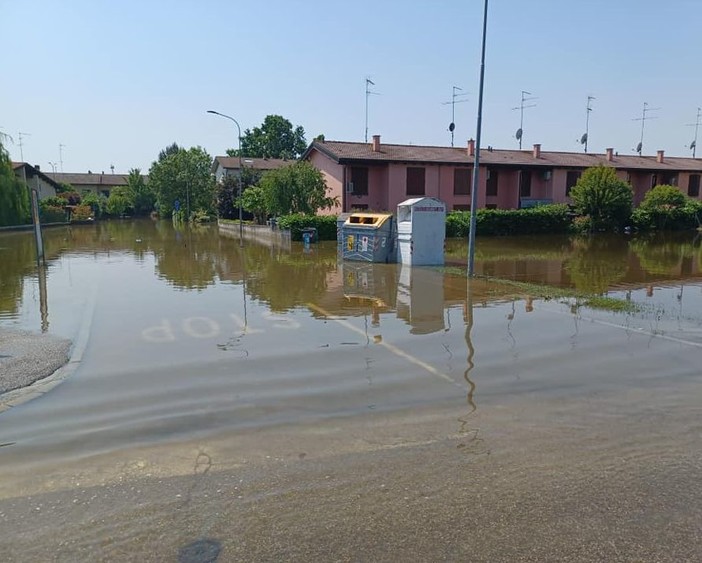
232,162
33,170
347,152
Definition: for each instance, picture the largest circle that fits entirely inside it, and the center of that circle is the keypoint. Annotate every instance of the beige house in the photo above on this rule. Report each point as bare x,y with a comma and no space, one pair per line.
36,179
97,183
225,166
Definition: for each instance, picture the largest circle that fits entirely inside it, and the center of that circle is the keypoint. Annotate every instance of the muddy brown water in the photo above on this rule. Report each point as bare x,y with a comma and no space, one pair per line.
259,403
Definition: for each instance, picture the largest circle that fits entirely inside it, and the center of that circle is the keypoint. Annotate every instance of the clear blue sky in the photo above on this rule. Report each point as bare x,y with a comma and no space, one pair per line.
116,81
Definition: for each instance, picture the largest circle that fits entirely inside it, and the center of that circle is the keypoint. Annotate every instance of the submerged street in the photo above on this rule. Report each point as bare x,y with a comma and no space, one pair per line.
263,403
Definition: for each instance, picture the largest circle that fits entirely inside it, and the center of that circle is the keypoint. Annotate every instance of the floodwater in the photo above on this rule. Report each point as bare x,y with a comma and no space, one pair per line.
232,402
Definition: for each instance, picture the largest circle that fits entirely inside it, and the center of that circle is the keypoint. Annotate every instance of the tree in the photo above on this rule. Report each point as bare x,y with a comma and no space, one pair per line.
663,197
297,188
276,138
14,195
168,151
602,196
228,191
141,195
183,176
119,202
253,200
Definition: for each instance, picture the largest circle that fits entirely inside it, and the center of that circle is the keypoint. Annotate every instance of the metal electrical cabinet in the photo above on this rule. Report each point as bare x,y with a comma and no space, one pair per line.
421,231
368,237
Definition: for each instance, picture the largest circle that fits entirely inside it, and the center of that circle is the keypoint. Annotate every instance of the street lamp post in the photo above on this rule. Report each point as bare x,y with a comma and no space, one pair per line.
241,223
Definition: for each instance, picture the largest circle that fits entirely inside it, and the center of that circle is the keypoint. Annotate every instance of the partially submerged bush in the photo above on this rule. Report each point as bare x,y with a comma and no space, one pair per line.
666,207
535,220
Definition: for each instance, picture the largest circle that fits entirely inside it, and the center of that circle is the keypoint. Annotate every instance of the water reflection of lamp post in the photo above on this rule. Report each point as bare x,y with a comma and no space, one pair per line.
241,224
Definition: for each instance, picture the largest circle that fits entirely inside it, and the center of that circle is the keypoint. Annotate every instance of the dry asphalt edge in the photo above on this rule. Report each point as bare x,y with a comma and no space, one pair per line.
40,387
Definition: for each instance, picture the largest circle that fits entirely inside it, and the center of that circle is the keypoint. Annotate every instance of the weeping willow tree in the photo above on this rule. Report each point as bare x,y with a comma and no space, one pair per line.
14,196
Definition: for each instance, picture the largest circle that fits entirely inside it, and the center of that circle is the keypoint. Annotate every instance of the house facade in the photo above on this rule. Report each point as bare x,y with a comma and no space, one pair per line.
101,184
376,176
36,179
226,166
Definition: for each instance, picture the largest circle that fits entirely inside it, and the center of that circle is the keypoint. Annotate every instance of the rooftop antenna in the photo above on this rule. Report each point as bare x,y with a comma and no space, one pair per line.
696,125
61,147
521,107
112,167
21,143
453,102
643,119
369,83
585,137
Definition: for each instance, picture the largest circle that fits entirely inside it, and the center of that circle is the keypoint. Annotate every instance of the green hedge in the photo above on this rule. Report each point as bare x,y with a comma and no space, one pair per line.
325,225
686,217
550,219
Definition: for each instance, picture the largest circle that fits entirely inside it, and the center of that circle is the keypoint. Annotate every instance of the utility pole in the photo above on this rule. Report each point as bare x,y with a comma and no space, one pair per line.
453,102
696,125
369,83
643,120
521,107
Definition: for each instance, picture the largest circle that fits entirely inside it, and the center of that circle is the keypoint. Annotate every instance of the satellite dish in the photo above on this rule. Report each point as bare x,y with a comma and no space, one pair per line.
639,147
518,134
452,126
583,139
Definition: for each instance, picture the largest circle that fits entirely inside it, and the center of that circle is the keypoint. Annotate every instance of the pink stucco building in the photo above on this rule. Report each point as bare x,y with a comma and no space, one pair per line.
377,176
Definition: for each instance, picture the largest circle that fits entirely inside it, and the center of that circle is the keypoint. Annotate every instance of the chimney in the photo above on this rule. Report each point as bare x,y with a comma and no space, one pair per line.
37,166
609,157
659,157
376,143
471,147
537,151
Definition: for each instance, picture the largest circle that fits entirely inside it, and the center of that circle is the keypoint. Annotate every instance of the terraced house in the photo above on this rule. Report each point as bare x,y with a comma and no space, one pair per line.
379,176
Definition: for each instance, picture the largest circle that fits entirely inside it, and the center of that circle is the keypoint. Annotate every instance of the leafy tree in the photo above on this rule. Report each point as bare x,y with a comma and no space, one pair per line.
297,188
65,187
168,151
119,202
228,189
602,196
666,207
14,195
142,197
276,138
183,176
253,200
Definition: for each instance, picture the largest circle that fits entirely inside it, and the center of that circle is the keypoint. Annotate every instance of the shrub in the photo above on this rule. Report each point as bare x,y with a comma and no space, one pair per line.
325,225
605,198
535,220
52,214
70,198
666,207
81,213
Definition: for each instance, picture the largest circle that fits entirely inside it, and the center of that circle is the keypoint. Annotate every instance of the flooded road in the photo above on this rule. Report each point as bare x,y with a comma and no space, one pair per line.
283,406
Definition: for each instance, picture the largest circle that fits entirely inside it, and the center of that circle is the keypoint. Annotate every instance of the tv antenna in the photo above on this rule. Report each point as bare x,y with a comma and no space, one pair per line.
453,102
696,125
21,143
643,119
61,147
521,107
369,83
584,139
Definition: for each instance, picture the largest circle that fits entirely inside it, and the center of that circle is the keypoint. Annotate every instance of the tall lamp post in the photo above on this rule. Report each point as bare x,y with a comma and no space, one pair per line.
241,223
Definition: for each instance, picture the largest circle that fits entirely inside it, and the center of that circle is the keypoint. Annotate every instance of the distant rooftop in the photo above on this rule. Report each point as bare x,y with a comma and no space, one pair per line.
232,162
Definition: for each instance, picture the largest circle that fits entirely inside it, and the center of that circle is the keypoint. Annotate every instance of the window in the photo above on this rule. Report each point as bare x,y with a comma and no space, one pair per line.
359,207
490,206
670,179
461,207
572,178
693,186
654,180
359,179
415,181
525,183
461,181
491,185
